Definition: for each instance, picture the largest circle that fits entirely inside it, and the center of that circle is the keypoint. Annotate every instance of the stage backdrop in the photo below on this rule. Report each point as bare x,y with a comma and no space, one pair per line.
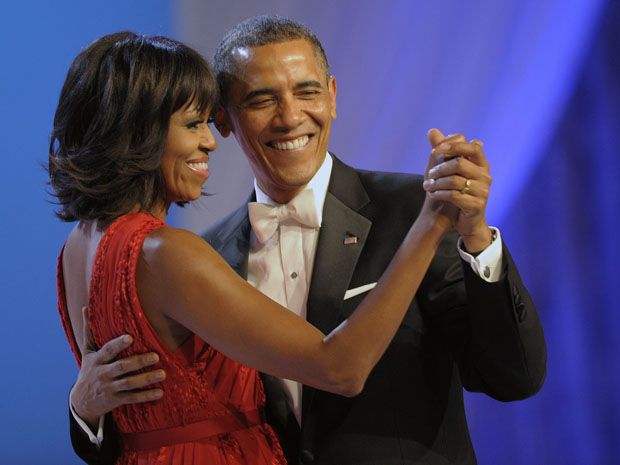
538,82
38,41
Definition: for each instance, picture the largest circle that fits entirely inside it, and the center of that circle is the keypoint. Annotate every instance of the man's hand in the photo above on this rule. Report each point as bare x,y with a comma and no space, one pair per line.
458,174
105,383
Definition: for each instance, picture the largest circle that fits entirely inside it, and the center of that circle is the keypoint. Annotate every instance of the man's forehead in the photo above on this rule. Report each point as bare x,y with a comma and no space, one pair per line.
290,51
241,53
280,62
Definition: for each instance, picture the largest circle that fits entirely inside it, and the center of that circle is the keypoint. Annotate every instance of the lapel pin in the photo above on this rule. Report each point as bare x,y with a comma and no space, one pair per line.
350,239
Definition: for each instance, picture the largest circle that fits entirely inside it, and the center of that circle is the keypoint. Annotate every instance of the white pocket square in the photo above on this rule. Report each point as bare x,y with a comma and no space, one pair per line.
358,290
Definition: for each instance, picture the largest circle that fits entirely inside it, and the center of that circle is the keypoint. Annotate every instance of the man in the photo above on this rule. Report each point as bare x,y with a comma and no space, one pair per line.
472,323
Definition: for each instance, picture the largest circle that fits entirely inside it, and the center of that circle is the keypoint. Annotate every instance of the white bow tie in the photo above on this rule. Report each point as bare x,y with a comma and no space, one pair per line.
265,218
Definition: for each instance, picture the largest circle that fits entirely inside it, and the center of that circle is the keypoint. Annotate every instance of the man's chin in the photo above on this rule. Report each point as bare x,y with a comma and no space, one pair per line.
283,188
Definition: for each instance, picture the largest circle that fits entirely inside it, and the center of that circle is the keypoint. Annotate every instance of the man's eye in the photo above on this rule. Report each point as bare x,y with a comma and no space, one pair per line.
261,103
308,93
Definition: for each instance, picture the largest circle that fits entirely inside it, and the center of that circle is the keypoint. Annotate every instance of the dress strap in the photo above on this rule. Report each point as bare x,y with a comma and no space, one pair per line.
193,431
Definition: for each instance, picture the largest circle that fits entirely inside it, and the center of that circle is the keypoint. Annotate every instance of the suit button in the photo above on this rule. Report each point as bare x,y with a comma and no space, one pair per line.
519,305
306,456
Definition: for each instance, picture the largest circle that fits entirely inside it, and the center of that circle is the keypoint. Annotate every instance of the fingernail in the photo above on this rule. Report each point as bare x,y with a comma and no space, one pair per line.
127,339
444,146
152,358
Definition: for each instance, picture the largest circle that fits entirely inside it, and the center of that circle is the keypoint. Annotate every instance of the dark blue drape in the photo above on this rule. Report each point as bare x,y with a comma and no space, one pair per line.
38,41
564,230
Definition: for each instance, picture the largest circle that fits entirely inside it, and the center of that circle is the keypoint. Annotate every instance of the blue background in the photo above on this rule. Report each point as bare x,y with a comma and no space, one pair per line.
538,81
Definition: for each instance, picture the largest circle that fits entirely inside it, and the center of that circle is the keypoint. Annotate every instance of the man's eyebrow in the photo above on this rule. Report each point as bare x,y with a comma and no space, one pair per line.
303,84
271,91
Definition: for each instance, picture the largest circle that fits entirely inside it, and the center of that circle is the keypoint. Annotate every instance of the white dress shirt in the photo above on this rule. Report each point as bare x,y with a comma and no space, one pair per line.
281,268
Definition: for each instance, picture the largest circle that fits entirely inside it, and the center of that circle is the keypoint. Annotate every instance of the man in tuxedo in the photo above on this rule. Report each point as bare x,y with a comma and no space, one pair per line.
472,323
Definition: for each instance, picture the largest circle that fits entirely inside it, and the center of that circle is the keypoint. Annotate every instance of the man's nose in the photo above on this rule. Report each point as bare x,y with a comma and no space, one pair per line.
289,113
207,141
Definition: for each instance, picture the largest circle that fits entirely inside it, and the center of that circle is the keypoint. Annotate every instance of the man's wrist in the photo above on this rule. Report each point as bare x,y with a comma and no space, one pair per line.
487,264
477,242
88,426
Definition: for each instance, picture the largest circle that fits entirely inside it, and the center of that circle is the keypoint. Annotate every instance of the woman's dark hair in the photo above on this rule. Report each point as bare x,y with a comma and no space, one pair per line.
112,119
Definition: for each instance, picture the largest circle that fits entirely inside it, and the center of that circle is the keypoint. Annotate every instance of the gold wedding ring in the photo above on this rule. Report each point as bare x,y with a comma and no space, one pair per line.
466,187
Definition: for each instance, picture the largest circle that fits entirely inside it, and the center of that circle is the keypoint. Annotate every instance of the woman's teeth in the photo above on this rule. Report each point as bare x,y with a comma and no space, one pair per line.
291,144
198,166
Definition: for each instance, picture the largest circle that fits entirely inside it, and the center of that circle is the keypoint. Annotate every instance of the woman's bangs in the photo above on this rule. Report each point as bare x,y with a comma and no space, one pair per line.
196,86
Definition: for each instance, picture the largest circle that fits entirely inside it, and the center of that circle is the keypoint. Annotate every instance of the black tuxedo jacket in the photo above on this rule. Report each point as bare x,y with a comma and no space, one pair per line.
459,331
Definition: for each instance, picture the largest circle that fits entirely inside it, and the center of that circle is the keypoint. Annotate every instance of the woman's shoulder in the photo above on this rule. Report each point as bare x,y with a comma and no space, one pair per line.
174,246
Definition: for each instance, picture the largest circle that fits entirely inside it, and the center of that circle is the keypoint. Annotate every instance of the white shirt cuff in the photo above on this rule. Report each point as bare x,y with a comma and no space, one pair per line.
96,440
488,263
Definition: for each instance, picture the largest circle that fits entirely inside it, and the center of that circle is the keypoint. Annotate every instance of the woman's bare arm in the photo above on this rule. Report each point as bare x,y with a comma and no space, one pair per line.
182,277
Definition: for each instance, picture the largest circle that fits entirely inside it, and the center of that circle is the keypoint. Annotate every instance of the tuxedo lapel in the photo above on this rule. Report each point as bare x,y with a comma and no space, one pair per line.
341,240
232,240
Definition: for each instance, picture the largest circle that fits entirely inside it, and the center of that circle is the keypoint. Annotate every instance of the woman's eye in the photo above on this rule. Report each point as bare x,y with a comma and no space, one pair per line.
195,124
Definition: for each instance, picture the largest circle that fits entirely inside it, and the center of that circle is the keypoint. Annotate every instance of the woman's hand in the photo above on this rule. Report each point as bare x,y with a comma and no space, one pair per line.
442,212
458,180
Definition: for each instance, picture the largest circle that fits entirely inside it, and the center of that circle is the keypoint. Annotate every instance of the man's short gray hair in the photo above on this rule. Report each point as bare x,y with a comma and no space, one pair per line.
258,31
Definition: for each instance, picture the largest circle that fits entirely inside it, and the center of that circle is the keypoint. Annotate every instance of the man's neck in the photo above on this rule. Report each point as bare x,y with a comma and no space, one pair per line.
282,196
319,184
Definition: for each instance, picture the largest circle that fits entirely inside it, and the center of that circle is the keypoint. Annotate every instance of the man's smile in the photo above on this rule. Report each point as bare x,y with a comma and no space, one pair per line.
293,144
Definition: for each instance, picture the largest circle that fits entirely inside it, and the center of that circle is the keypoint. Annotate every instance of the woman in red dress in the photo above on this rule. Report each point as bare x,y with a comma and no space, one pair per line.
130,137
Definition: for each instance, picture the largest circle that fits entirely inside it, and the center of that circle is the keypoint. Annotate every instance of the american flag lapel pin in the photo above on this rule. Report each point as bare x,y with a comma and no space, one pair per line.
350,239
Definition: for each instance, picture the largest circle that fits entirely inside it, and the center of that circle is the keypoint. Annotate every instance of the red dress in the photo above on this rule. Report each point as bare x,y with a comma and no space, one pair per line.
211,411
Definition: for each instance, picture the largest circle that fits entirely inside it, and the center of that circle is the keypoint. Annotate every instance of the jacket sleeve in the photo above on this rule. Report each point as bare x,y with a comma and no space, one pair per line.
106,454
491,329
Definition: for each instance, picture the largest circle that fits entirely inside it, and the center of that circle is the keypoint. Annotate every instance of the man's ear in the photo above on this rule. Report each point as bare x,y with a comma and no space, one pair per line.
332,87
222,122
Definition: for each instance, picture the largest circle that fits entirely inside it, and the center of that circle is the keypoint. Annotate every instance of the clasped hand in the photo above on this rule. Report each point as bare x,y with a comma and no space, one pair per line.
458,176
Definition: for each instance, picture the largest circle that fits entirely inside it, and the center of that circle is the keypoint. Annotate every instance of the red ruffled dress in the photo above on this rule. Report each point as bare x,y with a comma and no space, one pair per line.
212,408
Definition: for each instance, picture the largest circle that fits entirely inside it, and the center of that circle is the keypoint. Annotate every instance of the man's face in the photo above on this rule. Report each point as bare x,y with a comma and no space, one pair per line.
280,108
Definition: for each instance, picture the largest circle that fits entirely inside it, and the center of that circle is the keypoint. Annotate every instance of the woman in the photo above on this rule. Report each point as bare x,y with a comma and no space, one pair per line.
131,137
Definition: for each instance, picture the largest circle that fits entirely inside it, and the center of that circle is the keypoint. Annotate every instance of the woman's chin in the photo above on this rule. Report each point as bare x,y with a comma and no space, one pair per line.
190,197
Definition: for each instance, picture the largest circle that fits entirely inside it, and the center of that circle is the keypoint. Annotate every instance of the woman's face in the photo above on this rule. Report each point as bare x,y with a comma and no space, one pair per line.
184,163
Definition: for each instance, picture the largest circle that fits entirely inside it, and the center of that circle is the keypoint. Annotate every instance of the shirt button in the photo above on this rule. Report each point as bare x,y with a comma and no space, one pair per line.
293,275
487,272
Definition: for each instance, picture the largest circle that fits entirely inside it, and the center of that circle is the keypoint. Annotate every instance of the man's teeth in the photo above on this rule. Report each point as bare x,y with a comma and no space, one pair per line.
292,144
201,166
